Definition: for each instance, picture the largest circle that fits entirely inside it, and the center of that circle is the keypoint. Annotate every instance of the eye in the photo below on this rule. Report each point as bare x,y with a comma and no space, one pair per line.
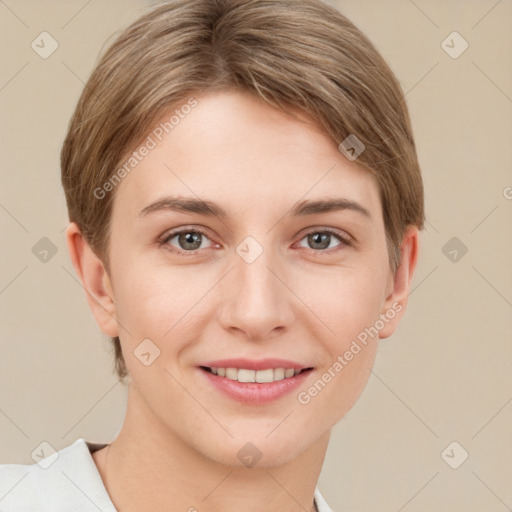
188,240
321,239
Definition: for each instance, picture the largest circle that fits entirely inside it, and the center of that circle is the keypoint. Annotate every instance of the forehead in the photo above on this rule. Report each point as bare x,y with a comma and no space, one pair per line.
236,149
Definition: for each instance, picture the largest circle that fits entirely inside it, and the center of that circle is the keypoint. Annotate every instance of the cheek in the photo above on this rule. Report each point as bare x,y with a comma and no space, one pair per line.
345,300
350,353
157,301
348,303
348,378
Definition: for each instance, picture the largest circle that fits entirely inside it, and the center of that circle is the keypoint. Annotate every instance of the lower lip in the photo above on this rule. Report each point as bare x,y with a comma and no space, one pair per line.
254,392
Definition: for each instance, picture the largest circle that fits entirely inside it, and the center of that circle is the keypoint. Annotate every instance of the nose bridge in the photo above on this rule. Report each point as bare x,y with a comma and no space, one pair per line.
259,301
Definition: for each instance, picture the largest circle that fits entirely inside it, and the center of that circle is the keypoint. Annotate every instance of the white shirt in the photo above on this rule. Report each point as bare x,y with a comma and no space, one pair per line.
66,481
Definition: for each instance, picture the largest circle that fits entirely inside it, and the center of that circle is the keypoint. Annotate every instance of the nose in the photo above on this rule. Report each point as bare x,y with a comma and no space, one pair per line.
257,302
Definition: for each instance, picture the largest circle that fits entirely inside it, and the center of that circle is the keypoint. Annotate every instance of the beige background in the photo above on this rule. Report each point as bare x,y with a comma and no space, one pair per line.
444,376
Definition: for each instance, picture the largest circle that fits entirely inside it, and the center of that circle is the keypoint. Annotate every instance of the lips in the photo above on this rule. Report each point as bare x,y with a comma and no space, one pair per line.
255,382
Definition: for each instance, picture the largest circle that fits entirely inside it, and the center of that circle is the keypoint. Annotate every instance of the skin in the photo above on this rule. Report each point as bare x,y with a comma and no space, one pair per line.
179,441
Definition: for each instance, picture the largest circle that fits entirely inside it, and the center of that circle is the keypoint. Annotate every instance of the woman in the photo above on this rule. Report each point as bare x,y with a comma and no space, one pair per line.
245,202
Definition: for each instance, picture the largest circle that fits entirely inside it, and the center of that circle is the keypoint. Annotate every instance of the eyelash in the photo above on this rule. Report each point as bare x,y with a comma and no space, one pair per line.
345,240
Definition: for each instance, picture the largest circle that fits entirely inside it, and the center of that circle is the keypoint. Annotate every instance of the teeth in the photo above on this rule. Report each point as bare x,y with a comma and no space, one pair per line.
247,375
261,376
279,373
232,373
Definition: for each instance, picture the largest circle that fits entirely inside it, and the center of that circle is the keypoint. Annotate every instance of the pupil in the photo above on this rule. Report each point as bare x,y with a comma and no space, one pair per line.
321,238
190,238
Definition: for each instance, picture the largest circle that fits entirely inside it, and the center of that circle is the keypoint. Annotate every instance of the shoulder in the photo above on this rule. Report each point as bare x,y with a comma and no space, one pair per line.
59,481
17,489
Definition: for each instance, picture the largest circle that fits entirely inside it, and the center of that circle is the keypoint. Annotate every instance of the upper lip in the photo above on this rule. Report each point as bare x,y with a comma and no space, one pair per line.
261,364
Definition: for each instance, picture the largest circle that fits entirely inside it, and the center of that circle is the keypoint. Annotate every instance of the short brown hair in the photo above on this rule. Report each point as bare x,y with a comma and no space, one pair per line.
290,53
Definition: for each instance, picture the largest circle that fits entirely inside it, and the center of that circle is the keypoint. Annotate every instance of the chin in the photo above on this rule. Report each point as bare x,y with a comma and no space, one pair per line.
255,449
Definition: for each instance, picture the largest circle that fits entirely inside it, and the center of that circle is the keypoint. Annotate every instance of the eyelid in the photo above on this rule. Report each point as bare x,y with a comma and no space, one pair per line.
344,238
168,235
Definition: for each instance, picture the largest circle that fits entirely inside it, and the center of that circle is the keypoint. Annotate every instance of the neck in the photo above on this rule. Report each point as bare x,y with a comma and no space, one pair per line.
149,467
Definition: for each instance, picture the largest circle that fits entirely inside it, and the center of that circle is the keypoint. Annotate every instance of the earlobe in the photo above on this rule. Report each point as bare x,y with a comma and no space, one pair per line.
396,301
95,280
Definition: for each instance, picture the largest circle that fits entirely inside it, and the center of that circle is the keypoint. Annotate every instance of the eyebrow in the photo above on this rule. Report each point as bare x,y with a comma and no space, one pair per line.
210,209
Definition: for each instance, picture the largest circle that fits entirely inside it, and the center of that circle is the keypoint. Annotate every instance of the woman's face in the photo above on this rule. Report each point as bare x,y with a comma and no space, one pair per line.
263,281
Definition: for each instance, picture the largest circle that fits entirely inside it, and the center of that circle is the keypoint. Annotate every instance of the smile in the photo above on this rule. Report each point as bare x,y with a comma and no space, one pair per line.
259,376
254,387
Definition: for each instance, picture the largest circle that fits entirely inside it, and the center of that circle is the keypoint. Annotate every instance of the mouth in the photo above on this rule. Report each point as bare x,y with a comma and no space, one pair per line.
254,387
263,376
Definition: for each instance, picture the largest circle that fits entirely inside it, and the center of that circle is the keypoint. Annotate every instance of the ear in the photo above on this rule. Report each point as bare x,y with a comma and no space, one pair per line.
399,284
95,281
